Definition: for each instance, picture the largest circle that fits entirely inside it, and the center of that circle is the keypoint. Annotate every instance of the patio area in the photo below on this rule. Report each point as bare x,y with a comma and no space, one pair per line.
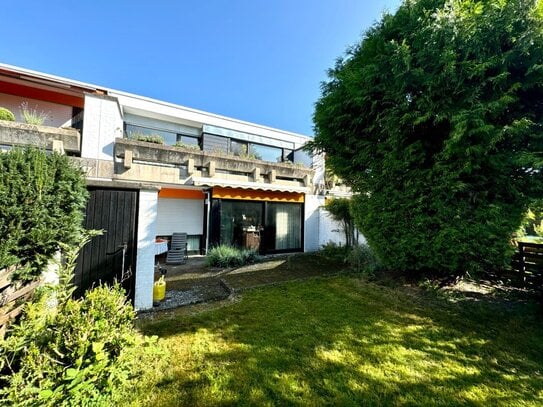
193,282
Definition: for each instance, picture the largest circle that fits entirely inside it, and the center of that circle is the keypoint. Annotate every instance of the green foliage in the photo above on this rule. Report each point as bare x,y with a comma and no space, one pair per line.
358,257
532,224
230,256
33,116
42,197
68,352
149,138
434,119
6,114
340,209
335,252
195,147
362,258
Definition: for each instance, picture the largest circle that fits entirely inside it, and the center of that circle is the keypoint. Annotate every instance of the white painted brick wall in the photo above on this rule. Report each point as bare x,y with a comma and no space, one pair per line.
329,229
102,122
145,261
332,231
312,220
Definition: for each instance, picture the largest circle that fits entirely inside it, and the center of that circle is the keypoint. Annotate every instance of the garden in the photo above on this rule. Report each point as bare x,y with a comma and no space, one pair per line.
434,121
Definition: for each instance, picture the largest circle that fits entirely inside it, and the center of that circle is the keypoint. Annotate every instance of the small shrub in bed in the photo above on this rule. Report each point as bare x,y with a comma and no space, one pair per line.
362,258
335,252
230,256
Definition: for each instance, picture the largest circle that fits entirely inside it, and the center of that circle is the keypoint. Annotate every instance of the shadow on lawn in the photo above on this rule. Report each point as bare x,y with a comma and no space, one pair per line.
343,342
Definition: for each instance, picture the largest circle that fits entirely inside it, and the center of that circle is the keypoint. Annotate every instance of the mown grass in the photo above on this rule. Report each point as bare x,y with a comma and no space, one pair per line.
343,341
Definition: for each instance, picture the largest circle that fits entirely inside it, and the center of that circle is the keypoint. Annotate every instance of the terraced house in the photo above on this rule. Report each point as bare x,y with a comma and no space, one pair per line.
154,168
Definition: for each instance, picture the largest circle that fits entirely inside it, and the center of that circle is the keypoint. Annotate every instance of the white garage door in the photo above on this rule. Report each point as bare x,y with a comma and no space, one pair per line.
180,215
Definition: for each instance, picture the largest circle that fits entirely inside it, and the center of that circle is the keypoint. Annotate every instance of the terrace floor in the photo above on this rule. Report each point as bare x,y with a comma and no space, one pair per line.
194,282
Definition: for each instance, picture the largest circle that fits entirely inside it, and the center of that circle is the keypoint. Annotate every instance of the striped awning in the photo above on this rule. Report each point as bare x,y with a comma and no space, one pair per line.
226,183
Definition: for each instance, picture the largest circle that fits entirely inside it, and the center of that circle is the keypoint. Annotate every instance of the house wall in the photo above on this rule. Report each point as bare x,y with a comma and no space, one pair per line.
332,231
57,115
312,222
102,123
329,229
145,260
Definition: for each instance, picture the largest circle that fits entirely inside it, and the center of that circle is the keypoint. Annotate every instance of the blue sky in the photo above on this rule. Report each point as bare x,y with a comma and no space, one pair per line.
260,61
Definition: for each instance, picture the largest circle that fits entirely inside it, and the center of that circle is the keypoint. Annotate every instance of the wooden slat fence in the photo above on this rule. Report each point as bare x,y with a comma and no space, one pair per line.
12,297
529,263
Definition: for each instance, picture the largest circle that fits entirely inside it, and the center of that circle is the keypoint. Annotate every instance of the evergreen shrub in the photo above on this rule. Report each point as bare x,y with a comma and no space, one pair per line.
432,119
42,199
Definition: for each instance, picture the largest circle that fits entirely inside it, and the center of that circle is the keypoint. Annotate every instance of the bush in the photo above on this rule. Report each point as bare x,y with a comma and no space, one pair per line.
42,198
340,209
362,258
194,147
334,251
230,256
6,114
81,352
148,138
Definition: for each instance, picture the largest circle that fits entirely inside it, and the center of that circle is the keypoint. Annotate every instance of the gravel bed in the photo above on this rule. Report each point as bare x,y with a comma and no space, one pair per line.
197,294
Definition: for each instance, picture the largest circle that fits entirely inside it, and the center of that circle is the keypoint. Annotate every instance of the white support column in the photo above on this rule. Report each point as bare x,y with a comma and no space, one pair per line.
145,261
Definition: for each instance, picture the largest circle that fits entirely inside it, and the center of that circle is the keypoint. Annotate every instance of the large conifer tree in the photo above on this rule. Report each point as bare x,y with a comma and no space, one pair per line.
435,118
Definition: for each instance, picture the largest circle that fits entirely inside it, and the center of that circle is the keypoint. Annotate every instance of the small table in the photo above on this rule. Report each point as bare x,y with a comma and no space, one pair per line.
161,246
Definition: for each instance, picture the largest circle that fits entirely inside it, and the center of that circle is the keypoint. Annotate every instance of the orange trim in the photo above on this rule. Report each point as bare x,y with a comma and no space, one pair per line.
257,195
41,94
181,193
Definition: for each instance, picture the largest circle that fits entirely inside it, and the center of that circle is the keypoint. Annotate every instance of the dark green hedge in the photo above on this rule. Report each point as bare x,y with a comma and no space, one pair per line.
435,119
42,198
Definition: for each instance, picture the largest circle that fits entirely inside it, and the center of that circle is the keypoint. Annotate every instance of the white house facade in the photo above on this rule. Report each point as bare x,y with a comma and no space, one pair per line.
155,168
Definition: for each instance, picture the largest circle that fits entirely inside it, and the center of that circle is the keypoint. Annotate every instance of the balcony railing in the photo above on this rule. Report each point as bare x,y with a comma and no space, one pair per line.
49,138
144,161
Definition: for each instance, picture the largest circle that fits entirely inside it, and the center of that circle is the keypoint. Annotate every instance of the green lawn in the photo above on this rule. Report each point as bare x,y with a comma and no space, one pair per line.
343,341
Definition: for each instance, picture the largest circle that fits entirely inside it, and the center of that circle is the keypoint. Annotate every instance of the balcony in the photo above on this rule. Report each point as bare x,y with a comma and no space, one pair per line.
49,138
148,162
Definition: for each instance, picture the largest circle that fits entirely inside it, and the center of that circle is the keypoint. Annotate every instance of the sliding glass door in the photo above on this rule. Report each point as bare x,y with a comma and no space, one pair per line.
269,226
284,221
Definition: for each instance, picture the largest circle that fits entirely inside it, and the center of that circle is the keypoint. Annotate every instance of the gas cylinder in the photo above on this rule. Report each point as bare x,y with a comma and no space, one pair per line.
159,289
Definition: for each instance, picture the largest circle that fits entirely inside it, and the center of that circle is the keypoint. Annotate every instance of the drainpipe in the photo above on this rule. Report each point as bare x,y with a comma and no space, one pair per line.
208,206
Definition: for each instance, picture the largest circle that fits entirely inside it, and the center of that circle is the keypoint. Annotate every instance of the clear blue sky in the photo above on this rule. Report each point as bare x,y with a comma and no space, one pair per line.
260,61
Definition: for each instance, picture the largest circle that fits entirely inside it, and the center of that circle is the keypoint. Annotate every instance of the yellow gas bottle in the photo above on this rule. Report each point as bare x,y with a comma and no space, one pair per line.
159,289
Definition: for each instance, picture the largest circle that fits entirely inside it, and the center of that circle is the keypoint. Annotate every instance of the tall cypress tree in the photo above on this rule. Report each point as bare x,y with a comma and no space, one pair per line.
435,119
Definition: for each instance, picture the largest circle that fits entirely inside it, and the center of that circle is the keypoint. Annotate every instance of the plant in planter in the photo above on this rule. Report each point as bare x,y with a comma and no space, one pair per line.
148,138
6,114
187,146
33,116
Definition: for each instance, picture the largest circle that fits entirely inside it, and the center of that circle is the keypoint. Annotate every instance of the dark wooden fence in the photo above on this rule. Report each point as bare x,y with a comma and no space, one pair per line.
529,263
12,297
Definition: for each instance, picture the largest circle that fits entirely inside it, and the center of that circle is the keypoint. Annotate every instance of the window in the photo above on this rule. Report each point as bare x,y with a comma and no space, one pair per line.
266,153
169,137
238,217
189,140
238,148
